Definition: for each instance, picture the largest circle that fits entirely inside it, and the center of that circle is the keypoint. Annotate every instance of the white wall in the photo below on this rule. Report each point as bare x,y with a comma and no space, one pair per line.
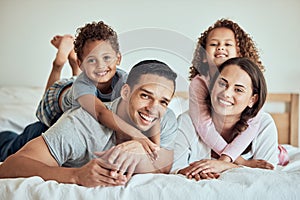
27,27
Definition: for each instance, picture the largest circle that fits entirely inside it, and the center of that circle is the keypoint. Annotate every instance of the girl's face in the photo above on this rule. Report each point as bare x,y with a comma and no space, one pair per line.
99,61
232,92
220,46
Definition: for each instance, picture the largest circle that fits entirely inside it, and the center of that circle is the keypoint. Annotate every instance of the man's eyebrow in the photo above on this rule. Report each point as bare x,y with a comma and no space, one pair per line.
151,93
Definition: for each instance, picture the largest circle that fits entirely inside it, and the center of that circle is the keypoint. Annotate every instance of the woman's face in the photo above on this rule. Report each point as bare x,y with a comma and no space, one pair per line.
220,46
232,92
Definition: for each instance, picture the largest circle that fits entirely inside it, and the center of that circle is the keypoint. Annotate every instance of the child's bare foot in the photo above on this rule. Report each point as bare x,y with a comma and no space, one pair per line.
64,45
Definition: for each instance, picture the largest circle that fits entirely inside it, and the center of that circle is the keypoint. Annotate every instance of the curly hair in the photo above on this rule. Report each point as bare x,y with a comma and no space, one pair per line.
259,87
95,31
244,43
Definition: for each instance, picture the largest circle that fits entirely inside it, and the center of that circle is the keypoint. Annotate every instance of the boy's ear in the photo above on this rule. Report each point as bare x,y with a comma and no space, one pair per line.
119,58
125,92
204,60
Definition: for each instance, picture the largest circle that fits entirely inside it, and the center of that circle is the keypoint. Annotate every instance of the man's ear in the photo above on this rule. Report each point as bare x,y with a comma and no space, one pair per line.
125,92
253,100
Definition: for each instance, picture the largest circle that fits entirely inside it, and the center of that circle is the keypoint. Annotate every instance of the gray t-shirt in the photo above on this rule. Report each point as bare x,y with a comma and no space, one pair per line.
74,138
83,85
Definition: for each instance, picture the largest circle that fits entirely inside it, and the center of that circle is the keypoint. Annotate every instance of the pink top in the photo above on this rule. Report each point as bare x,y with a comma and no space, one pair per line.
201,118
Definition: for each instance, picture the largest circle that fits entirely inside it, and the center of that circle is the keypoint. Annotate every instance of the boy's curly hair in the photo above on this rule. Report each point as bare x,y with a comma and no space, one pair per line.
95,31
244,42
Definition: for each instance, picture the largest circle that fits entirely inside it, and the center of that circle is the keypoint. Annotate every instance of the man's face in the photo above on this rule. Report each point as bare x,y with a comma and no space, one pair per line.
148,100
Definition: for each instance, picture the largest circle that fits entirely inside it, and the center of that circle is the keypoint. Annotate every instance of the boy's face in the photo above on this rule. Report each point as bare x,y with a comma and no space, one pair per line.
99,61
148,100
220,46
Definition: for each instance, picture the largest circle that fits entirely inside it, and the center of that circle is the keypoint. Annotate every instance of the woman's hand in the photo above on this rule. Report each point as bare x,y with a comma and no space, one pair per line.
209,166
199,176
254,163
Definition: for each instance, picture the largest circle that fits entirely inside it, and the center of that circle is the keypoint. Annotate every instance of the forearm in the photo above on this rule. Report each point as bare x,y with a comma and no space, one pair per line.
21,166
201,116
162,165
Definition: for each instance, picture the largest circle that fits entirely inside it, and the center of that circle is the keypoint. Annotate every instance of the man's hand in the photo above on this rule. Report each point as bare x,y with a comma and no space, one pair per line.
124,157
97,173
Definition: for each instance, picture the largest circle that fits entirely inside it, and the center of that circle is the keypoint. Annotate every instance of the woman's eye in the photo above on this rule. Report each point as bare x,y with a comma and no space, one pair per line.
239,90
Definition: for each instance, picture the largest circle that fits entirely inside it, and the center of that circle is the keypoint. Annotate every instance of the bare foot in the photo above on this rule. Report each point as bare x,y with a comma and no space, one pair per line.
64,45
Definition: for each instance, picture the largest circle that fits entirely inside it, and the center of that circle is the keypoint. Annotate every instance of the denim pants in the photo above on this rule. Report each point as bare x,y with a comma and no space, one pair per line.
11,142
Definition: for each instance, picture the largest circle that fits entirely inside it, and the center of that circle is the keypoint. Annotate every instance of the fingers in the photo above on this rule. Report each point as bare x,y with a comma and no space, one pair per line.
199,166
104,164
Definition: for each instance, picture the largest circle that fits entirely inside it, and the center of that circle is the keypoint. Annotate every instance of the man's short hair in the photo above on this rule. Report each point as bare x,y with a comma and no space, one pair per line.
154,67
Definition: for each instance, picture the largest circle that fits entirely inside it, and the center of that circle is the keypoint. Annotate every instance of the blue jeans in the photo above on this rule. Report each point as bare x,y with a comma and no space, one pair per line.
11,142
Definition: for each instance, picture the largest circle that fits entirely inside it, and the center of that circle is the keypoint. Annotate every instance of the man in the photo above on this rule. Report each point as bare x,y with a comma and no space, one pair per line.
77,149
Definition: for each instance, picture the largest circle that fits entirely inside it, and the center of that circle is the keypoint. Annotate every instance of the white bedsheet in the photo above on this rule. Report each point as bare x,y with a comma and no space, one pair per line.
240,183
17,107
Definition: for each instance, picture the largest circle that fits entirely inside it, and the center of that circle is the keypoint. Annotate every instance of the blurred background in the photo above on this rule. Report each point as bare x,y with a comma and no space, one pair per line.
165,30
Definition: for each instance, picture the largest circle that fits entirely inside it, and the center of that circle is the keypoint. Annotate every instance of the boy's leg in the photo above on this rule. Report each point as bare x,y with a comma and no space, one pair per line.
11,142
65,51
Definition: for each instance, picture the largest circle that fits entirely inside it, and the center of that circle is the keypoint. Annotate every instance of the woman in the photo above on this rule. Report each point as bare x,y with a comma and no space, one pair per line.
238,93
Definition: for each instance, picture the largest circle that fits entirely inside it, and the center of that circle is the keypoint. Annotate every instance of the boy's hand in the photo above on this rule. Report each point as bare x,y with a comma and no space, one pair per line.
151,148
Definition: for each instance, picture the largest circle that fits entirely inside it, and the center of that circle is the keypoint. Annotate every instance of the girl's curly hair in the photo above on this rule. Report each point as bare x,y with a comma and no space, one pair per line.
95,31
244,42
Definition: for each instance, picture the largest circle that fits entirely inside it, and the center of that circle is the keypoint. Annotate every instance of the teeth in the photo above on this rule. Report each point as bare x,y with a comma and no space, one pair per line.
225,102
150,119
101,73
221,56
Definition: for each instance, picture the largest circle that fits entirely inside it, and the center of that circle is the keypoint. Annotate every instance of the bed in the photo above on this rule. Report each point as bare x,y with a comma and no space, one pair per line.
17,107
